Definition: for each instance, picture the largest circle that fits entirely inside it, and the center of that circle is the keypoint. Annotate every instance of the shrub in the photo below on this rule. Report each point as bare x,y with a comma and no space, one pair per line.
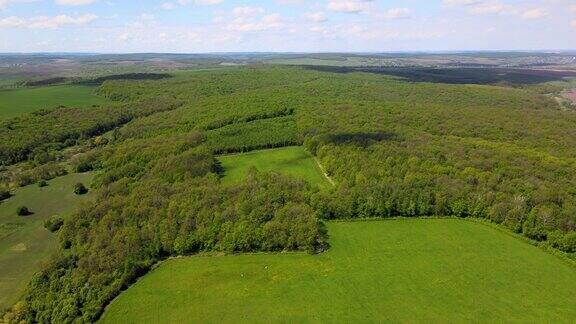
80,189
23,211
42,183
54,223
4,193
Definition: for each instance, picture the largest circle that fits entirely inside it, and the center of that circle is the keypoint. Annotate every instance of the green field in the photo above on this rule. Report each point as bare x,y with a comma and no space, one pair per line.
294,161
25,100
410,270
24,242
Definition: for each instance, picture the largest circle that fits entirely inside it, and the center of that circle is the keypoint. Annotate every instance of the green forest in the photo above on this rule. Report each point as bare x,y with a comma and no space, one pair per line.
394,147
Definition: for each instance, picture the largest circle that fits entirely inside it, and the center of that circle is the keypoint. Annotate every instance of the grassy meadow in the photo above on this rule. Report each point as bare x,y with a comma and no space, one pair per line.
14,102
294,161
409,270
24,242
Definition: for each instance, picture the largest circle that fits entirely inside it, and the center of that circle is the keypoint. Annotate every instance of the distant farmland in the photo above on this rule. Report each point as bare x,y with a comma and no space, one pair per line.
14,102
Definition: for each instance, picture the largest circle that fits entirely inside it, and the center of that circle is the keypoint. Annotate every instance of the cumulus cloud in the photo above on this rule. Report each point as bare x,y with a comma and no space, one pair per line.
74,2
396,13
534,14
209,2
178,3
489,8
45,22
316,17
168,6
249,19
348,6
454,3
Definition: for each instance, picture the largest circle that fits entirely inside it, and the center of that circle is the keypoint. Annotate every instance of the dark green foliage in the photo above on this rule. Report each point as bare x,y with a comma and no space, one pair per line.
126,76
23,211
86,162
80,189
34,136
42,183
44,82
54,223
4,193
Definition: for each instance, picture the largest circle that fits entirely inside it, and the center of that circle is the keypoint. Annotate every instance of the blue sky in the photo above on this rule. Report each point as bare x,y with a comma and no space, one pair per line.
285,25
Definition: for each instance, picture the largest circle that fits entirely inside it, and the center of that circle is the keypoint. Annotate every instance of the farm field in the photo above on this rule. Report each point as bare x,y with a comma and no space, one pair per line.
409,270
24,242
8,80
15,102
294,161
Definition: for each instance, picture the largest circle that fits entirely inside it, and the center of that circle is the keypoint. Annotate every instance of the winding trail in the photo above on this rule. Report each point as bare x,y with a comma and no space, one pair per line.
324,172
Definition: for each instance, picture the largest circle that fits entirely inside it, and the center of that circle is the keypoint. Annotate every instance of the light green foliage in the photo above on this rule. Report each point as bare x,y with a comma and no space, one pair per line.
25,245
15,102
294,161
395,147
436,270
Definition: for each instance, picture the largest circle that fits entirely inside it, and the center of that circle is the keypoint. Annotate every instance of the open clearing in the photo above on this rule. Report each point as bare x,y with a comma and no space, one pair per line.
410,270
25,100
294,161
24,242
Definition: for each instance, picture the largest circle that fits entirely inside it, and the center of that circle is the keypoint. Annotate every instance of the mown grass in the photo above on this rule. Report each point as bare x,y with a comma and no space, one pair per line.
15,102
294,161
410,270
24,242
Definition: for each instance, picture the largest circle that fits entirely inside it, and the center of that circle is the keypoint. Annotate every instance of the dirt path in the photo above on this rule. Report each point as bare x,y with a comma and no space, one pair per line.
324,172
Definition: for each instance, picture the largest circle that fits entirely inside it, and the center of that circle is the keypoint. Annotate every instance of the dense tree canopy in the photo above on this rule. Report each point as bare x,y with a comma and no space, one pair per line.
393,147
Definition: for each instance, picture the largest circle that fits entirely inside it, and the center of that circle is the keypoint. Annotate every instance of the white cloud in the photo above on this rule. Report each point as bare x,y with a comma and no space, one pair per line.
45,22
534,14
208,2
177,3
573,23
247,11
248,19
146,17
348,6
74,2
259,24
487,8
316,17
11,22
168,6
454,3
397,13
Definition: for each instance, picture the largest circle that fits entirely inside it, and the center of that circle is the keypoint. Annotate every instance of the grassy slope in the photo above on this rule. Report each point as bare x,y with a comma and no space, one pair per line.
294,161
19,101
24,242
434,270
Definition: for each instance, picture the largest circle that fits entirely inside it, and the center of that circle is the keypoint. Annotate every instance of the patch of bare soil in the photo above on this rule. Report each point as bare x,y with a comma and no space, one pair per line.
21,247
570,95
